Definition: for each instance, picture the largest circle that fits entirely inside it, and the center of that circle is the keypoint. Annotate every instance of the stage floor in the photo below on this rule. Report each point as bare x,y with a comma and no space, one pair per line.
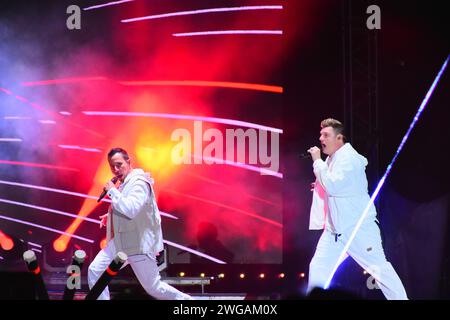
125,288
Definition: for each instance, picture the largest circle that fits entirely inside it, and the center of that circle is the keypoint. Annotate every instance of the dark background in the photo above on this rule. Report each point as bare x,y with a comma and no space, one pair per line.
413,205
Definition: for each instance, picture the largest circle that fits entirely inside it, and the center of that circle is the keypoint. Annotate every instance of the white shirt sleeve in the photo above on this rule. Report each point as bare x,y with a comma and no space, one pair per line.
336,181
131,204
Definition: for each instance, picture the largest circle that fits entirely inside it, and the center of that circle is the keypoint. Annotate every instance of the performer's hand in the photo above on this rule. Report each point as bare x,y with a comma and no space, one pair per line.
103,220
315,153
109,185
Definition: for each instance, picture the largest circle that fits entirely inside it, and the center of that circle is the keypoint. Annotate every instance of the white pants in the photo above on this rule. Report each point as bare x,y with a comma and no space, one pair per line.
145,268
366,249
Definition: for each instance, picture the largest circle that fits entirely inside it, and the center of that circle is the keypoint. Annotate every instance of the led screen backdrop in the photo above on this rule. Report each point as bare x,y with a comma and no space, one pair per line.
192,89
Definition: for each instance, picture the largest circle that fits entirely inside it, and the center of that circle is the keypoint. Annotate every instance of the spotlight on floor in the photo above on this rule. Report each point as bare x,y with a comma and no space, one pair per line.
11,249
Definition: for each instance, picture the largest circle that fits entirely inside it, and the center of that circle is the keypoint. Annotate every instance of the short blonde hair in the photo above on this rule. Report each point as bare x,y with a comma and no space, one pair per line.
337,126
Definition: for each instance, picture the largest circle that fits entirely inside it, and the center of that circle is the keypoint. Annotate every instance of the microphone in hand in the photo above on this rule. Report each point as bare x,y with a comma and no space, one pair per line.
305,155
113,180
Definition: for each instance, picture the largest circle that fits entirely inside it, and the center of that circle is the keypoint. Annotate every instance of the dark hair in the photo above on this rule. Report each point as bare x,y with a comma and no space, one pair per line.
337,126
124,153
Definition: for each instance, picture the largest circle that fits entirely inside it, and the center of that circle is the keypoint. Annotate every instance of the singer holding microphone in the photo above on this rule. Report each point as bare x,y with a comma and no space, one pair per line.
340,196
133,226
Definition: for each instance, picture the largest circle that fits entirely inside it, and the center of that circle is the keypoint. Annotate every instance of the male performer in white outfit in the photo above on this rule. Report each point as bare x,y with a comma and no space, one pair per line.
339,198
133,227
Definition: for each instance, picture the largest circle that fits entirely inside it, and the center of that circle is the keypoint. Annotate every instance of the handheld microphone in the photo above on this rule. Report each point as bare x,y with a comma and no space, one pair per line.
305,155
113,180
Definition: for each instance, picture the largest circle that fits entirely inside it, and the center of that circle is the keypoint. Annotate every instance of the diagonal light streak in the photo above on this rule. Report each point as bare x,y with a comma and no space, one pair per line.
60,81
65,146
63,213
106,4
388,170
10,140
16,118
199,83
201,11
195,83
227,32
183,117
54,114
230,187
37,165
35,244
221,205
241,165
198,253
76,194
45,228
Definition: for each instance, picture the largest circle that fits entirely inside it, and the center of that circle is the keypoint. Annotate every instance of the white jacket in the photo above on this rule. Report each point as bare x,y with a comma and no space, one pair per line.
135,216
340,194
